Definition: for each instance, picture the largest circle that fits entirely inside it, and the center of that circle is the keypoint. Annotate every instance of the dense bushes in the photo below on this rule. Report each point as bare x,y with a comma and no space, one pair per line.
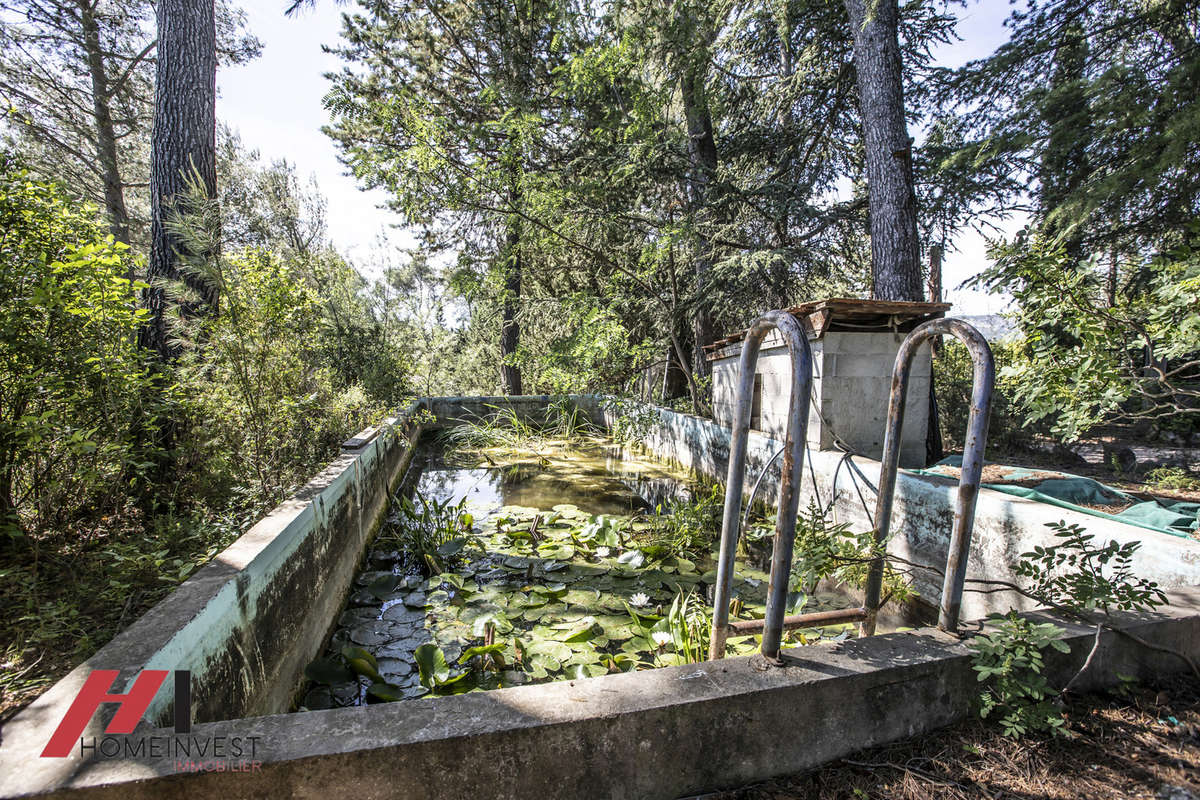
952,375
119,474
71,381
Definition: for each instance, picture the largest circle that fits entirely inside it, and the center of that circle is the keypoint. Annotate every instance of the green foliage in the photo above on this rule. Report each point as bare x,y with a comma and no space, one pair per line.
507,429
1010,658
1074,575
1009,426
71,378
430,531
1077,574
827,550
435,672
1172,478
264,412
1085,360
689,624
633,419
685,527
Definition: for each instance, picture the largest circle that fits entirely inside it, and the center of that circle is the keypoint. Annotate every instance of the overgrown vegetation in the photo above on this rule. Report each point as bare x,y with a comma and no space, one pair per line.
94,527
1074,575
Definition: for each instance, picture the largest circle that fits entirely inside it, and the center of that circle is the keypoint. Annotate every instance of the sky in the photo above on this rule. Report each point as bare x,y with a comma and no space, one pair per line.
274,103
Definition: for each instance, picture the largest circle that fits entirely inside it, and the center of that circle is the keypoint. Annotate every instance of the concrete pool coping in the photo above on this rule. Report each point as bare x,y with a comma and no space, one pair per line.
246,624
662,733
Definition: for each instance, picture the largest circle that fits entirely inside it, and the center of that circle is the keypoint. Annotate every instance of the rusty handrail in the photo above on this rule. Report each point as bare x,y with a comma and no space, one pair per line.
983,382
789,482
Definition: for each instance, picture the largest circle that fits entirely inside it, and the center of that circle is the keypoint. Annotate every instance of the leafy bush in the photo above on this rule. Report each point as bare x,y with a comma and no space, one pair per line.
1088,358
71,379
1008,427
1172,479
1010,660
1073,575
263,413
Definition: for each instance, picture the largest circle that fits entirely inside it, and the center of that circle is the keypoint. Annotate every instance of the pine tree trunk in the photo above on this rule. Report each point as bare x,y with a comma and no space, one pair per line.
895,249
702,158
182,151
106,138
510,327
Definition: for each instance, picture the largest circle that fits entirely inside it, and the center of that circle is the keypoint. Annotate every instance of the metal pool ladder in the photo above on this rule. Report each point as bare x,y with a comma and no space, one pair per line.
792,472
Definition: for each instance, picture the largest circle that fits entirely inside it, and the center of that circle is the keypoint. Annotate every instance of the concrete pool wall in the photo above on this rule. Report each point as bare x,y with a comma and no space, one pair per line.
1005,526
246,624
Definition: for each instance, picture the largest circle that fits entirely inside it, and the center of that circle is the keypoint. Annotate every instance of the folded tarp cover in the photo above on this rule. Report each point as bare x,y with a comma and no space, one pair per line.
1176,517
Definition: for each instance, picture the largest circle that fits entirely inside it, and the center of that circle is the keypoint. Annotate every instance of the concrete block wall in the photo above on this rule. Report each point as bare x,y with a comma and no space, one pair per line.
852,381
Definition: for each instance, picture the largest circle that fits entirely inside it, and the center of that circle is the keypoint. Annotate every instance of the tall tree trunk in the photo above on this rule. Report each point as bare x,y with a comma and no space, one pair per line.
182,151
895,249
934,451
106,137
510,326
702,166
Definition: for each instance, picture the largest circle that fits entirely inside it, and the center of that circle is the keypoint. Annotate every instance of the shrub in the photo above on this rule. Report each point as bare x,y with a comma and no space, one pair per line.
952,378
71,378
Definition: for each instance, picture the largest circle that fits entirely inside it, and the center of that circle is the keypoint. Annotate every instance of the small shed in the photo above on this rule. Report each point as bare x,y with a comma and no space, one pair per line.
854,345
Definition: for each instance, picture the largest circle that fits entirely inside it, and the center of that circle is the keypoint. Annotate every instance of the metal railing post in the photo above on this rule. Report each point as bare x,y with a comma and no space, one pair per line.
983,382
789,481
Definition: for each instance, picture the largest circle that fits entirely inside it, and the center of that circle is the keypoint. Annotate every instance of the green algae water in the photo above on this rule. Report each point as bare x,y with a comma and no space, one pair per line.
574,561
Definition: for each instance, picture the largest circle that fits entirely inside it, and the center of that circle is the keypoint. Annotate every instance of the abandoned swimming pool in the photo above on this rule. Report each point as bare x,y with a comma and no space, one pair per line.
245,626
545,561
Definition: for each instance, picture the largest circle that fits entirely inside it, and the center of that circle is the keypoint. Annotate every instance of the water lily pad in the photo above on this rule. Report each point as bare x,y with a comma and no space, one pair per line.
353,616
381,692
583,671
382,585
328,671
374,632
496,619
554,649
393,668
318,699
415,600
361,661
582,597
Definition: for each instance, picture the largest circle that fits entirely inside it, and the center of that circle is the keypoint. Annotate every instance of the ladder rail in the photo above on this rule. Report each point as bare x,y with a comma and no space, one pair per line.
791,473
982,386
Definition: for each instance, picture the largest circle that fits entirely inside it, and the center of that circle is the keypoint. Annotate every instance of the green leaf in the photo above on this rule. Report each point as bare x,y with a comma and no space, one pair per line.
432,666
328,671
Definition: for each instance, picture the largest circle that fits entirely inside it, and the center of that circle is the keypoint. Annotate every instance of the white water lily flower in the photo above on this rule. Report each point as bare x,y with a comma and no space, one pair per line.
640,600
603,552
660,638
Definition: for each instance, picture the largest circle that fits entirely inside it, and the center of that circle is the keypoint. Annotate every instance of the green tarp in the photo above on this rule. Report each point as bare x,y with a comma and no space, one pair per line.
1078,493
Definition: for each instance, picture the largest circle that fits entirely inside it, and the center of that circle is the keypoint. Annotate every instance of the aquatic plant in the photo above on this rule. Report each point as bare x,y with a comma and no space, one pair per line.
428,530
685,526
435,671
505,429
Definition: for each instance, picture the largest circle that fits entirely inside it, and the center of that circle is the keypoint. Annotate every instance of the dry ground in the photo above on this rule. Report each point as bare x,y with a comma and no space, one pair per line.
1143,742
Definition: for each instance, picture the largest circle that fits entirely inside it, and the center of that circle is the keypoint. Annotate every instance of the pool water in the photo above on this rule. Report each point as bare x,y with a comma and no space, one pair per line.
578,561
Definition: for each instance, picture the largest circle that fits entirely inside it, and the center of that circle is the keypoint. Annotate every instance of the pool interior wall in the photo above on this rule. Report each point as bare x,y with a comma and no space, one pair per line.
246,624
